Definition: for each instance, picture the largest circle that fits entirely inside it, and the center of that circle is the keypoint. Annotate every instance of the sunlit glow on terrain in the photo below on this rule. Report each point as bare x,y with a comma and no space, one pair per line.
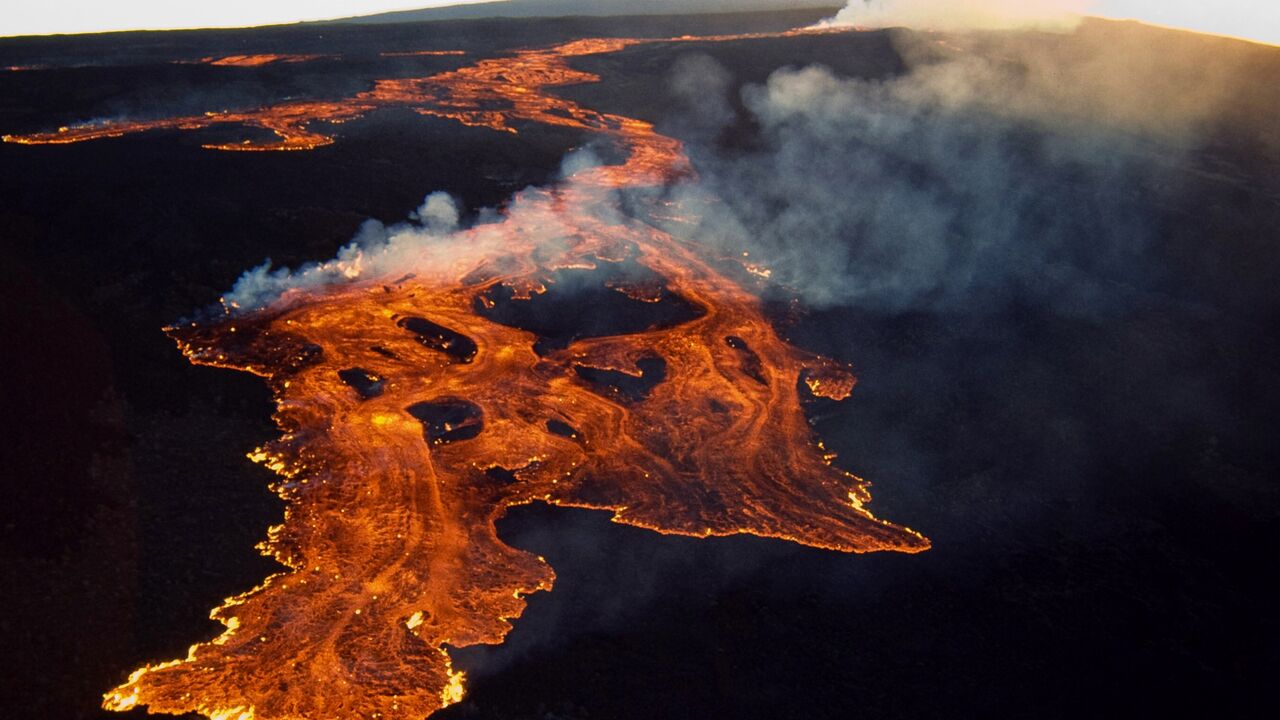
413,416
1254,20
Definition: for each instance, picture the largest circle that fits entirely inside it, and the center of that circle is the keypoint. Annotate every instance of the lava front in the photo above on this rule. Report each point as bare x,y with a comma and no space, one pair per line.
414,412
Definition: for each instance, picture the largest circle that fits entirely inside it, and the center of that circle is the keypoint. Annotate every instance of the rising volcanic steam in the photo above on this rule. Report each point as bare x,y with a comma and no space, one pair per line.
961,14
424,385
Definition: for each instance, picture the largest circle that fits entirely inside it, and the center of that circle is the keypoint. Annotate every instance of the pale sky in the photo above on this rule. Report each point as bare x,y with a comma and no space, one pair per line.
43,17
1257,20
1254,19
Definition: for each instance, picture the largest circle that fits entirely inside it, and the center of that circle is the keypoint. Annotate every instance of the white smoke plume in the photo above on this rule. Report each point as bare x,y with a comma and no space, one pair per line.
994,166
432,243
997,168
961,14
375,249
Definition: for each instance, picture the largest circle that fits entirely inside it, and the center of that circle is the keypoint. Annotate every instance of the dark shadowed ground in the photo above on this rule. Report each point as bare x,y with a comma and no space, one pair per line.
1100,487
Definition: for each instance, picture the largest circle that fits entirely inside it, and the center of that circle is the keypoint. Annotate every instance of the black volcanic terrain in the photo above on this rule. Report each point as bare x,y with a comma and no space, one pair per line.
1081,415
579,8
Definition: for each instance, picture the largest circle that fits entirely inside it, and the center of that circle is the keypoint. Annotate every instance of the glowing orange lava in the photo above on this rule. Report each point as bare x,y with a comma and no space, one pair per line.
464,95
422,53
413,417
257,60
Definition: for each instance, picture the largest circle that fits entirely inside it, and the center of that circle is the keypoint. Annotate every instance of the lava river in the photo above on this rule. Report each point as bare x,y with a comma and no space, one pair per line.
416,407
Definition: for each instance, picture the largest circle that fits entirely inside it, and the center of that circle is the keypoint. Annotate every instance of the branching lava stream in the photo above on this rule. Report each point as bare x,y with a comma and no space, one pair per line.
415,413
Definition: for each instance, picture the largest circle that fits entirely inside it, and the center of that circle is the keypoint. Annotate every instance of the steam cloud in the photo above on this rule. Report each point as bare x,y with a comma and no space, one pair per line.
961,14
911,192
995,168
991,172
1009,169
431,244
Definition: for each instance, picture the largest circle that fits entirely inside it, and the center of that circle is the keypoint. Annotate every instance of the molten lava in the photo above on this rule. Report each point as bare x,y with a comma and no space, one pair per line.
468,95
422,53
255,60
416,409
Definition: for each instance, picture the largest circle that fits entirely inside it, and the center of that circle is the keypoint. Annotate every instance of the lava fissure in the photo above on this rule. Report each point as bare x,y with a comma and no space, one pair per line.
413,417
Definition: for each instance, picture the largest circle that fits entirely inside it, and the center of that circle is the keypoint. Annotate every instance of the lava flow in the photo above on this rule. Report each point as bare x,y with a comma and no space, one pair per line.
422,53
419,403
254,60
491,94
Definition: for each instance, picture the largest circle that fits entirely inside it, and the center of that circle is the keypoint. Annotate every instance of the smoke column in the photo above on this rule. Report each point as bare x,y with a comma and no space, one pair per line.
1257,21
961,14
995,168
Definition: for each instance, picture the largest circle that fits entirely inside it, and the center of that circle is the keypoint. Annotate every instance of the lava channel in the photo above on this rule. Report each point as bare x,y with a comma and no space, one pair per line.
415,411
